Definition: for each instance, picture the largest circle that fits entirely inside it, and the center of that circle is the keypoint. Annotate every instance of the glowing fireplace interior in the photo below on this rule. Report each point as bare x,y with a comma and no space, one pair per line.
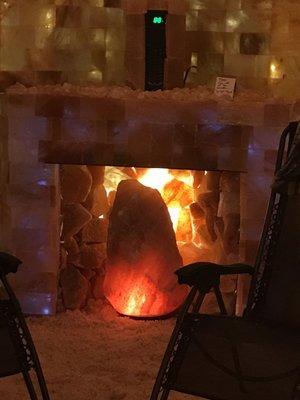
126,230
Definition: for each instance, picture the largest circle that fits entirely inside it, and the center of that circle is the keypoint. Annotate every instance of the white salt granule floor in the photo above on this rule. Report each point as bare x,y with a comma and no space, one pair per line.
96,357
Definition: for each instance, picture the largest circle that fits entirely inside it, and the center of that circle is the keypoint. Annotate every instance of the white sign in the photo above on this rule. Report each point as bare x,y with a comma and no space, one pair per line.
225,86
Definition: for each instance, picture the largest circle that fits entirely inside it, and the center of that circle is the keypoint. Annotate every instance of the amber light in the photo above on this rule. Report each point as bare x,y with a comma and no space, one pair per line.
145,289
135,294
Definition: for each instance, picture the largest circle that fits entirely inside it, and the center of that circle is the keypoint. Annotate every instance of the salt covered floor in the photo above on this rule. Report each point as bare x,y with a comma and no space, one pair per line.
96,357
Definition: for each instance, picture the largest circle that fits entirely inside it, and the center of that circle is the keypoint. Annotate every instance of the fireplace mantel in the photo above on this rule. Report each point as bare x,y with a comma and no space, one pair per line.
185,129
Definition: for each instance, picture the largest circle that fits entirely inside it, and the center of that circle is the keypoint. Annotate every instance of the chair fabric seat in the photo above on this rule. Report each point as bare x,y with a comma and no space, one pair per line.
13,357
205,355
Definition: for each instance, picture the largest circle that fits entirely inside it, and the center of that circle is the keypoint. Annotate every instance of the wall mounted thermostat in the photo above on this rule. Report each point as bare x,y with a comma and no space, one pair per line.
155,52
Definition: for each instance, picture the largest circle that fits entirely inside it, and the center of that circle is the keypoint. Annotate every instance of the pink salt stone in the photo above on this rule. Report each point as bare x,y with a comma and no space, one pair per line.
142,254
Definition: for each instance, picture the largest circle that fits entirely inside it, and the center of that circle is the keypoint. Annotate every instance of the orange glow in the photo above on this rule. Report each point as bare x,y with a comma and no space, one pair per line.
158,178
143,290
174,211
149,288
135,302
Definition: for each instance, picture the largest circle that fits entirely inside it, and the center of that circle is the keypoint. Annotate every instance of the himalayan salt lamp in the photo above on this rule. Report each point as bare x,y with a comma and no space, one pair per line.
142,254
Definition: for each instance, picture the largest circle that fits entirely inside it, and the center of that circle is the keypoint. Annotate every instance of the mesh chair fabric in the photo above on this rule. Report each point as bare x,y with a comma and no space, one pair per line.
13,354
264,352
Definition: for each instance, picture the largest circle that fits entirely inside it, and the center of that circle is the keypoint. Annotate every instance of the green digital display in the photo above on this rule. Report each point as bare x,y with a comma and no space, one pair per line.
158,20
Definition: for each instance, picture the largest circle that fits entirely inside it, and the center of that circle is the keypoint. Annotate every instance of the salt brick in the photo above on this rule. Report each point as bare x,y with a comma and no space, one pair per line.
83,130
244,114
21,105
232,159
102,108
25,150
28,128
175,32
157,4
34,217
277,115
135,6
177,7
35,173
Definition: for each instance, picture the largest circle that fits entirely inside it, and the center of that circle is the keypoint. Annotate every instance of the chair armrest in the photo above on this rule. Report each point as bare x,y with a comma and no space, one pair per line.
8,263
205,275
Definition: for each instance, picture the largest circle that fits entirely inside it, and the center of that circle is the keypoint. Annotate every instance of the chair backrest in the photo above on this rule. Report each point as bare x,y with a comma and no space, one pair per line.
275,291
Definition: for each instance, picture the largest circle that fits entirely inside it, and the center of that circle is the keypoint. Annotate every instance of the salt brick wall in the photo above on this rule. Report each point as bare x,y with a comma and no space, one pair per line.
62,41
29,189
30,206
102,41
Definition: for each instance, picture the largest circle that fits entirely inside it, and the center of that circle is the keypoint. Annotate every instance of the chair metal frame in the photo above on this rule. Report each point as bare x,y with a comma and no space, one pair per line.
10,311
260,274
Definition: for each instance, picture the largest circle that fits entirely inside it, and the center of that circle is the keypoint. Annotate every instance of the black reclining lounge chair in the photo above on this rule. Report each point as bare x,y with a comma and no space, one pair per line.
257,356
17,351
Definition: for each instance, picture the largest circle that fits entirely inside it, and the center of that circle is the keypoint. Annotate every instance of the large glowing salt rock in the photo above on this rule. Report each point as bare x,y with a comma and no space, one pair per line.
142,254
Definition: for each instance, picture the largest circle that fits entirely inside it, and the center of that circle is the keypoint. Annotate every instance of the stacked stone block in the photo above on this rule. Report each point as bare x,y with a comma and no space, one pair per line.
102,42
60,41
30,206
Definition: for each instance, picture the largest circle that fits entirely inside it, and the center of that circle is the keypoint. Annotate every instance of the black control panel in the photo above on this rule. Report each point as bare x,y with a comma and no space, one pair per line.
155,52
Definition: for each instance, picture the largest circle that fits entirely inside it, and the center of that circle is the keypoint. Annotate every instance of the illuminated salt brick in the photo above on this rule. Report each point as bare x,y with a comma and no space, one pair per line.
291,66
114,73
174,70
257,4
12,60
34,217
135,72
255,159
114,40
277,114
28,128
232,159
24,150
36,14
83,129
202,4
20,105
97,38
29,194
211,20
280,32
10,16
234,4
175,32
157,4
231,43
68,16
192,20
135,6
36,261
42,35
115,18
150,111
135,28
97,17
239,65
211,42
250,114
177,7
35,173
57,106
248,21
263,66
265,137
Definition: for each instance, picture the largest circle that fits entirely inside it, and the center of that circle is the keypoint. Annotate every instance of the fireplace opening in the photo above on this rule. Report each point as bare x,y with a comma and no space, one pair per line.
125,231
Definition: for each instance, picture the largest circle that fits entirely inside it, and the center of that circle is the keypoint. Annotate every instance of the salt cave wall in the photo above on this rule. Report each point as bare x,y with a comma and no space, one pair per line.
102,41
76,41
